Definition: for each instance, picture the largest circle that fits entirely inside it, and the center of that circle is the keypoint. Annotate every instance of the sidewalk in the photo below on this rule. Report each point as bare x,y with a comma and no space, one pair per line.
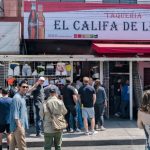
122,132
119,132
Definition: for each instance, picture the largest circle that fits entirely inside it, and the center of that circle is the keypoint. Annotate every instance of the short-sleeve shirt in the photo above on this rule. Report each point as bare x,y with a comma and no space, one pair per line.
18,111
86,93
38,94
68,91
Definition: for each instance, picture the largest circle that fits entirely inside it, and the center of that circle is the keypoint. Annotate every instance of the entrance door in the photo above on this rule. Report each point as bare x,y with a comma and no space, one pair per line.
118,74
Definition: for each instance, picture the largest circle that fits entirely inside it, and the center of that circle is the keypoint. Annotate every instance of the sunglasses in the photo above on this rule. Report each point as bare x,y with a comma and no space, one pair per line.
25,87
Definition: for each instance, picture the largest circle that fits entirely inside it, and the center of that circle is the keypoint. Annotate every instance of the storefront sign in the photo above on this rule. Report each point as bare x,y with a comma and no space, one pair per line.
47,20
9,37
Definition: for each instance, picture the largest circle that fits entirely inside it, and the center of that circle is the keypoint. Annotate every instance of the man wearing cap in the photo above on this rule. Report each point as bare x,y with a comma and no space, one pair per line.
57,107
38,96
48,88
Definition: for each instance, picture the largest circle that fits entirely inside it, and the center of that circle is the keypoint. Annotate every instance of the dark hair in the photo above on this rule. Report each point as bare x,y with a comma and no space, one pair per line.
5,91
145,104
22,82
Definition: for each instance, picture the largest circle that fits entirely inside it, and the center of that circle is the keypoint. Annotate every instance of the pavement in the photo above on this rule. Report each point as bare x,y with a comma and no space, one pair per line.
118,132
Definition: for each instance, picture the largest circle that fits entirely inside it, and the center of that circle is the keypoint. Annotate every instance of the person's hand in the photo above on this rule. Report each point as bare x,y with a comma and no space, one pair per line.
36,84
19,124
105,103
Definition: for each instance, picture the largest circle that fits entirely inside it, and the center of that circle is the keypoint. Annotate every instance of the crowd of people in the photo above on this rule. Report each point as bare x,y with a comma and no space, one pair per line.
76,102
82,105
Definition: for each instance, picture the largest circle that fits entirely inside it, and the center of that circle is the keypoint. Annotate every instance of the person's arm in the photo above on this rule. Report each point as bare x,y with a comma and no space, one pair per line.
105,98
94,98
75,98
33,87
16,112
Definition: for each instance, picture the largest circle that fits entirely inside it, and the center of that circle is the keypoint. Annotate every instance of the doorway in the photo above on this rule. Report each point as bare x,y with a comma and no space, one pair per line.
118,76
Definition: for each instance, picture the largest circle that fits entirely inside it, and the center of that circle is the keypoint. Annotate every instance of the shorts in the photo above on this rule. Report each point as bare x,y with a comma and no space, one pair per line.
88,112
4,128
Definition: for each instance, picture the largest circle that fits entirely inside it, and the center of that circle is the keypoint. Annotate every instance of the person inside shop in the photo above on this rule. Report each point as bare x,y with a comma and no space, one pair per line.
37,91
125,100
117,97
5,106
143,121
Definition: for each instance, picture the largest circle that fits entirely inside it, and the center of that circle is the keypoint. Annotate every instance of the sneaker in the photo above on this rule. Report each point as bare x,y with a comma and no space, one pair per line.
86,133
78,130
70,130
93,132
102,128
39,135
117,115
96,127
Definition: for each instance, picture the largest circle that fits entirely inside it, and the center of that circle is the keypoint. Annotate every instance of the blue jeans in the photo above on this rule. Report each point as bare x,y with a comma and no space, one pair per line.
99,113
49,138
38,119
78,117
71,110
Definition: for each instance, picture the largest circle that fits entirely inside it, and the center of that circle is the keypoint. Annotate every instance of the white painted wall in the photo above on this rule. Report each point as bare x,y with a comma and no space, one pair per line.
143,65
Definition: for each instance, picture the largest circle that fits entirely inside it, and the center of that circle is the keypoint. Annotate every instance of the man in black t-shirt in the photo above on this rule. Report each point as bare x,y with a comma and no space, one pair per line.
70,99
38,96
88,99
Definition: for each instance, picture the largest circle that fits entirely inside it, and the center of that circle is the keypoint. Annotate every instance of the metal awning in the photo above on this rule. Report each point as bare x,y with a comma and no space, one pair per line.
50,58
121,48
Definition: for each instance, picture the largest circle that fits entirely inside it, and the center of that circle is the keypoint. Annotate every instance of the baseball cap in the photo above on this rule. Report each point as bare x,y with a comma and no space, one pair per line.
52,90
42,78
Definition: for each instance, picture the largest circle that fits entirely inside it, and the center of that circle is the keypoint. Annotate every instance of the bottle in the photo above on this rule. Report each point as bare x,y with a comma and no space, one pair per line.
41,23
32,22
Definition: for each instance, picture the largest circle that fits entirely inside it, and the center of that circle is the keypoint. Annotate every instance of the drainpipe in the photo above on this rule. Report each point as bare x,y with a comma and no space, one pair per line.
131,90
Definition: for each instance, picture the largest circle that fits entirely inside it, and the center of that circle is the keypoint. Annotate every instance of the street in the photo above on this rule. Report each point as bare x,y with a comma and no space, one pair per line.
111,147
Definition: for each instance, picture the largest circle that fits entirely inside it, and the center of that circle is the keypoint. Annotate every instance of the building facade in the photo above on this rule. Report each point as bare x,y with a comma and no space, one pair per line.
115,55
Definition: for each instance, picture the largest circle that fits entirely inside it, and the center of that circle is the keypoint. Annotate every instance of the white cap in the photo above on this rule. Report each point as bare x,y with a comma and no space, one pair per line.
42,78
